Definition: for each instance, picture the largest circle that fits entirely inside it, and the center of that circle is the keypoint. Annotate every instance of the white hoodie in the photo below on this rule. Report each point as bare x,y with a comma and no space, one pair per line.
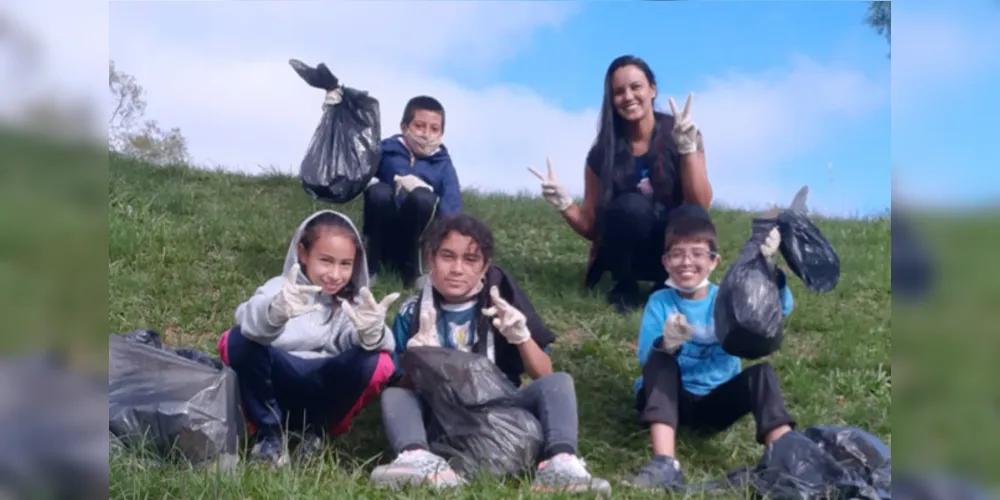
311,335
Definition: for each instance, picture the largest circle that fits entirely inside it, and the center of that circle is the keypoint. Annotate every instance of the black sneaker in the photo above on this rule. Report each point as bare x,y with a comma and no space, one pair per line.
310,448
624,296
662,472
270,449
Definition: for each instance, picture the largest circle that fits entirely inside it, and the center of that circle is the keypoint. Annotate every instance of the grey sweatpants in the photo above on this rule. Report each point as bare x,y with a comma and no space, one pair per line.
551,399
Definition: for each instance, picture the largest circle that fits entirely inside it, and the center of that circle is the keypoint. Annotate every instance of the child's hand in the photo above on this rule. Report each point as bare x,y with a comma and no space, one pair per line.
510,322
769,249
409,183
676,331
369,317
427,335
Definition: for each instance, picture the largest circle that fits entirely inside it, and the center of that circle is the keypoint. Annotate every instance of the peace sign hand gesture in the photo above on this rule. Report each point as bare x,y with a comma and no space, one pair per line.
294,299
510,322
369,317
685,132
551,190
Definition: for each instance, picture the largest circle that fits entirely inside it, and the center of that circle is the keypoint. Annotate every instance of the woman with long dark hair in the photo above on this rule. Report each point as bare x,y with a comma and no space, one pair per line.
644,166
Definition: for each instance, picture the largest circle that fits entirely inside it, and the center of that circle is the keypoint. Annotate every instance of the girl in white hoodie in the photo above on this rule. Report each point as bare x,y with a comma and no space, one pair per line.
311,347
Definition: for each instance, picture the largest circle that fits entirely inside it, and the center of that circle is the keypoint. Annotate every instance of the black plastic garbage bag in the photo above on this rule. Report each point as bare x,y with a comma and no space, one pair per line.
808,253
344,152
748,317
177,405
475,426
748,312
818,463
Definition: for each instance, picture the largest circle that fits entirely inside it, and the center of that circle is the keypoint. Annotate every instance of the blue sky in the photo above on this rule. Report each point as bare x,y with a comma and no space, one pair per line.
787,93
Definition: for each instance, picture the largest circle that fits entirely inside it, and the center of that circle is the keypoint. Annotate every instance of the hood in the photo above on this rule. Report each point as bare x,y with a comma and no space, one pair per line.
395,145
360,276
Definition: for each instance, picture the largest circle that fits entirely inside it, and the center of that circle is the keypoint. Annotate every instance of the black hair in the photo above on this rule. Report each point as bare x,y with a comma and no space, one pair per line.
613,153
334,222
463,224
691,228
422,103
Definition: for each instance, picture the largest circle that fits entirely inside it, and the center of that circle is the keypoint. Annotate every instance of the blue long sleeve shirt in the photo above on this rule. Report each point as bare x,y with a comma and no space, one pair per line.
704,364
436,170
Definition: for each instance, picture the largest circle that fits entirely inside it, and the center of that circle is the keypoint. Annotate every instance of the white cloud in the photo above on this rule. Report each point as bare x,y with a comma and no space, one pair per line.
241,106
937,51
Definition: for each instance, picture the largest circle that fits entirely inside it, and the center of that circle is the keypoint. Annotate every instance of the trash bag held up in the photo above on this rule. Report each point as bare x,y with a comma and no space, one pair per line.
344,152
475,426
178,403
748,311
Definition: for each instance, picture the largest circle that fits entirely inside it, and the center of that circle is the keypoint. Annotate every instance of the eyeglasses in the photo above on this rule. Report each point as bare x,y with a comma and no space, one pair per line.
677,256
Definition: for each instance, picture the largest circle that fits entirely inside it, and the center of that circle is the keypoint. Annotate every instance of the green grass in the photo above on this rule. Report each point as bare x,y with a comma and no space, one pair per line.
187,246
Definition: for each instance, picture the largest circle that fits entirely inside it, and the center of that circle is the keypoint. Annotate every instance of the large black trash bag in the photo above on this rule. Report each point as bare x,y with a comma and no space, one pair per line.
475,426
807,252
748,311
176,403
748,318
818,463
344,152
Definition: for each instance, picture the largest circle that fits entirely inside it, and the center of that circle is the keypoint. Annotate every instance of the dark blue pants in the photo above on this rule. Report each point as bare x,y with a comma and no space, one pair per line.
282,391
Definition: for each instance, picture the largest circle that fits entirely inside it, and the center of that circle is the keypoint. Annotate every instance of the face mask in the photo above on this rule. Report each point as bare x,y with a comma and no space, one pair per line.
420,145
703,284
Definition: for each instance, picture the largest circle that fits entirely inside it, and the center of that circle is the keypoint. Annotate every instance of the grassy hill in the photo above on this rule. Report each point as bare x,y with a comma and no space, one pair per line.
187,246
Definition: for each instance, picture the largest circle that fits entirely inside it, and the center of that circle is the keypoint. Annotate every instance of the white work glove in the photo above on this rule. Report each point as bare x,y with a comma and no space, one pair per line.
551,190
427,335
676,331
769,249
510,322
685,132
369,317
409,183
293,300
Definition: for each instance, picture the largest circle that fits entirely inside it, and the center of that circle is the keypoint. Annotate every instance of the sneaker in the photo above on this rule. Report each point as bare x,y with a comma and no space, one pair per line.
270,449
416,467
567,473
660,472
310,448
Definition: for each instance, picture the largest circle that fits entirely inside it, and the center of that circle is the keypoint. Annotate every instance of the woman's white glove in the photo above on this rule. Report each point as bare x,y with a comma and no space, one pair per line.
676,331
409,183
510,322
293,300
369,317
552,191
685,132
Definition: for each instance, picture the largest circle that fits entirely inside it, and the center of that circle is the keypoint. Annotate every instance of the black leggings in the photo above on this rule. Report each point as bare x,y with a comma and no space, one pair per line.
662,399
630,246
392,232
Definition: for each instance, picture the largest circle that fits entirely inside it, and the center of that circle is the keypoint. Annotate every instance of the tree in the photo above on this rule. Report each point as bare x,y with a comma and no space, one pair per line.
880,18
129,133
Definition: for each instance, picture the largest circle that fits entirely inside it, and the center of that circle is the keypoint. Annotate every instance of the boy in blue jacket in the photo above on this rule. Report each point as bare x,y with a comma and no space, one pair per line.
687,378
416,183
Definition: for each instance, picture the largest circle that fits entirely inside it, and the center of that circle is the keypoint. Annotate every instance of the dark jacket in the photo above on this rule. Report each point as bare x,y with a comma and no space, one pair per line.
436,170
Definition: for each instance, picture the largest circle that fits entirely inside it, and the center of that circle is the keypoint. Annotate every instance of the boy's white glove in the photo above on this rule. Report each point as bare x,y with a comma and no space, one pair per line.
409,183
685,132
427,335
676,331
369,317
552,191
294,299
510,322
769,249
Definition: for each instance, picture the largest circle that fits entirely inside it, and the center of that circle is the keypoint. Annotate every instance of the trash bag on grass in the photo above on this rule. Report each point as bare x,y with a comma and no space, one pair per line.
474,426
820,462
178,403
748,313
344,152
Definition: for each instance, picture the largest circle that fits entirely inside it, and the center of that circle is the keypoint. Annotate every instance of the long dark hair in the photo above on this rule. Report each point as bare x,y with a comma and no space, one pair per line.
333,222
614,154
